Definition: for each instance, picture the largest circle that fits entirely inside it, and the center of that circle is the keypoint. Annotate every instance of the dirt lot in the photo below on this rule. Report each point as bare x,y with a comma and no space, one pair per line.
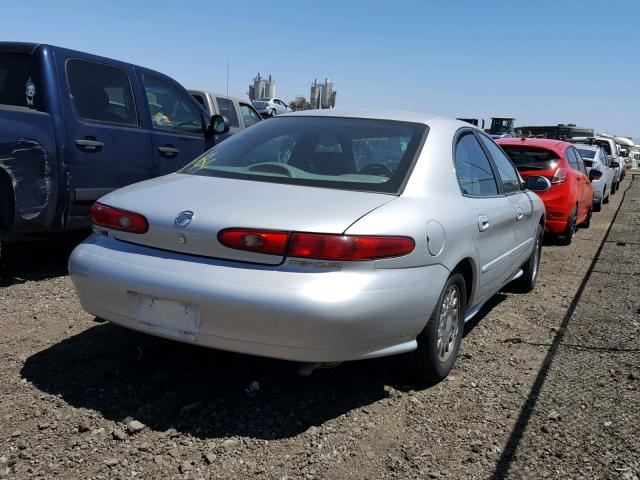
547,385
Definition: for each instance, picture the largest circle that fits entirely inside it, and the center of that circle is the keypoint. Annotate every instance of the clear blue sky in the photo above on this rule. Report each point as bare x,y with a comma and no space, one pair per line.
541,61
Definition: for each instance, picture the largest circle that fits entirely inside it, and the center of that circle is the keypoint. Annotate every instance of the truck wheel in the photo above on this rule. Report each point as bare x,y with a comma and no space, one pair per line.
439,342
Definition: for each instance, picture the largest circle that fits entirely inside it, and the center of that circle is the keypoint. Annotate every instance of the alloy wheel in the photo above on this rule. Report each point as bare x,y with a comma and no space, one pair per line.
448,324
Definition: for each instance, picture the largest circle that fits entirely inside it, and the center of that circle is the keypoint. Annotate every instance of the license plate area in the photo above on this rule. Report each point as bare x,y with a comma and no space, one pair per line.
167,317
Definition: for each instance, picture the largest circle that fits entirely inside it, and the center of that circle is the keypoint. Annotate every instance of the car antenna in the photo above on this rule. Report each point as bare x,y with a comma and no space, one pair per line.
227,79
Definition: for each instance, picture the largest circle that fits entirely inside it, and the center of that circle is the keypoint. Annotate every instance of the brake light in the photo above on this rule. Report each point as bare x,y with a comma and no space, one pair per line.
560,176
261,241
348,247
106,216
320,246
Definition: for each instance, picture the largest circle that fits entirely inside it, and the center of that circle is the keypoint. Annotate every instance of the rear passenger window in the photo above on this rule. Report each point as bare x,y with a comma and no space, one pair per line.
228,109
101,93
474,172
508,174
171,109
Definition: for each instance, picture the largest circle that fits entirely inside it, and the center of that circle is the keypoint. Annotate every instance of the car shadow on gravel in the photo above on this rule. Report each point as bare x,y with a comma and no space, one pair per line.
37,259
199,391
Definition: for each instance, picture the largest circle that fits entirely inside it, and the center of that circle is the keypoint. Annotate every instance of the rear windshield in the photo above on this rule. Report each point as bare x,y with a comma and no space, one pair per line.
341,153
260,104
531,158
19,81
586,153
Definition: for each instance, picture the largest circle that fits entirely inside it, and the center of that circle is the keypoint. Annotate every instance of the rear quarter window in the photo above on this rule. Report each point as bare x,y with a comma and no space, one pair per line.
20,81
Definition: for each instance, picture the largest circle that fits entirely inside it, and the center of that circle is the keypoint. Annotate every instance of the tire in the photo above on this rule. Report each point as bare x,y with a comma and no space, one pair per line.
432,361
613,188
597,207
567,237
272,114
587,222
527,281
605,196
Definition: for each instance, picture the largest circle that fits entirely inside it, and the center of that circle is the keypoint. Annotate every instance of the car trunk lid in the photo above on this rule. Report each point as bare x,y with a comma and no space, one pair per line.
215,204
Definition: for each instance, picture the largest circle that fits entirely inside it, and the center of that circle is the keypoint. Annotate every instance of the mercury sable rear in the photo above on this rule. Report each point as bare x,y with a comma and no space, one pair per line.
319,237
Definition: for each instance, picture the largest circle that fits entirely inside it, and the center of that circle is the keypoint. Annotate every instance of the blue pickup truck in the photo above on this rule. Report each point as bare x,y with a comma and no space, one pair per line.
75,126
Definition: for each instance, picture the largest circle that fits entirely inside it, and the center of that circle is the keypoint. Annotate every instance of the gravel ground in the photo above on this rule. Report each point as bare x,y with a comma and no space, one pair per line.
547,386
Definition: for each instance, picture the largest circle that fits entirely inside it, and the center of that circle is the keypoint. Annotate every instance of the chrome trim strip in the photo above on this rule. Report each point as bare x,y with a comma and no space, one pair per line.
506,255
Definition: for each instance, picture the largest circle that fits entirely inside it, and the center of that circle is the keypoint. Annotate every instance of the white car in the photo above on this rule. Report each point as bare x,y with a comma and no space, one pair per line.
595,157
270,107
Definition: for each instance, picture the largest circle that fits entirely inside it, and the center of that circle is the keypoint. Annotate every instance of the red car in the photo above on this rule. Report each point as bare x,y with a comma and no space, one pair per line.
569,200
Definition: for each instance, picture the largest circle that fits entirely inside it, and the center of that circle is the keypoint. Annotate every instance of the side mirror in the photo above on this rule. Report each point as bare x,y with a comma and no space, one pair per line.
594,174
615,165
537,183
217,126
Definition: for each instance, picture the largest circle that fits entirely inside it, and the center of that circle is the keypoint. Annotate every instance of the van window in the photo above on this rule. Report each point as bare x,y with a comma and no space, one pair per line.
20,81
100,93
228,109
171,109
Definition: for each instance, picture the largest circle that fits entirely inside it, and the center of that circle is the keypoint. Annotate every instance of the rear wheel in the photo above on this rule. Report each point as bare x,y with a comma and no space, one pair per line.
598,205
439,342
605,196
614,187
527,281
567,237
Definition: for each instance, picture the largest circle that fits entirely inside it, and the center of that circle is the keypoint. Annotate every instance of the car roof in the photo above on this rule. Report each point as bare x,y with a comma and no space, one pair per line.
586,146
18,47
218,95
376,114
550,144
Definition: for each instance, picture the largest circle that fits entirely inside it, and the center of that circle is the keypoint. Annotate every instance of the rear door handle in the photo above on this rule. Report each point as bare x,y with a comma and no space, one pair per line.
483,223
88,144
168,150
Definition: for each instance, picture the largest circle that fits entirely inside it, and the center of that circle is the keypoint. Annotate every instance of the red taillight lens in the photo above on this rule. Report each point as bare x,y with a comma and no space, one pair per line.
560,176
316,245
261,241
106,216
348,247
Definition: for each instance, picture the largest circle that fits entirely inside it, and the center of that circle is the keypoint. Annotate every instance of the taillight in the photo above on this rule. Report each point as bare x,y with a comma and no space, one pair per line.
261,241
560,176
316,245
348,247
106,216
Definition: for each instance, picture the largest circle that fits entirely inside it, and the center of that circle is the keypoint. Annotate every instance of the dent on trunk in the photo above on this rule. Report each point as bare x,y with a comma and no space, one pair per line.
33,180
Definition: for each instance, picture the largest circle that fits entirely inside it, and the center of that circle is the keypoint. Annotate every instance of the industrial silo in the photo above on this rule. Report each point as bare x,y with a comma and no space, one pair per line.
258,87
315,94
270,88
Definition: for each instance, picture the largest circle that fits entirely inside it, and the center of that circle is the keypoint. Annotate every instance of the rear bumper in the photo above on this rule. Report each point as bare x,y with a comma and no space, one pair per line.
302,315
558,205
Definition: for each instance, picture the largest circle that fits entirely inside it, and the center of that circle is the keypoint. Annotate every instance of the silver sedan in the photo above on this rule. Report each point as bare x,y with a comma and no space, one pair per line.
319,237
